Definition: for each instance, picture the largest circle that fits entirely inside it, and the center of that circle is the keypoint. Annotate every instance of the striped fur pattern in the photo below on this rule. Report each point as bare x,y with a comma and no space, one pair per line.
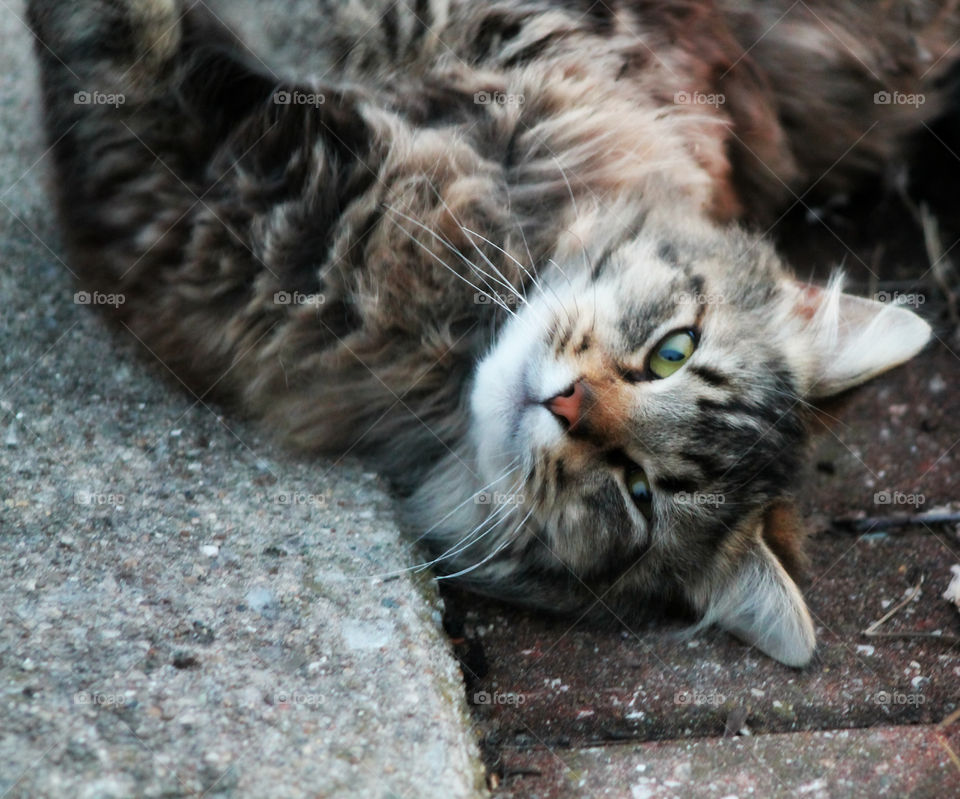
480,205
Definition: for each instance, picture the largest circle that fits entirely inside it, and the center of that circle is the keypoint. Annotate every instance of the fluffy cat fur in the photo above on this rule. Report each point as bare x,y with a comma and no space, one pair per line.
391,267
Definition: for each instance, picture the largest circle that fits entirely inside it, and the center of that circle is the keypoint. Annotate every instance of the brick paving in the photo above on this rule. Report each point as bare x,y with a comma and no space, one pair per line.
632,709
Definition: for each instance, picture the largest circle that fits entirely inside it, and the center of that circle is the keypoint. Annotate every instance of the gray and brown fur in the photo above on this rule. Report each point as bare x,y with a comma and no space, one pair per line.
201,199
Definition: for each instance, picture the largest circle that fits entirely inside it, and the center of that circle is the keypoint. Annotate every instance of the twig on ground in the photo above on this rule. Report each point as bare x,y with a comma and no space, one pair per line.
870,523
940,266
873,631
943,738
911,595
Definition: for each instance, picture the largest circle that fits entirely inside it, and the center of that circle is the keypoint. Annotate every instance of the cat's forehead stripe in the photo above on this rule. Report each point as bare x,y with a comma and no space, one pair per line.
640,320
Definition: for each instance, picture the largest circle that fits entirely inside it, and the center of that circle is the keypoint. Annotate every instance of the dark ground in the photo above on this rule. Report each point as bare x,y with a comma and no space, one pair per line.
566,709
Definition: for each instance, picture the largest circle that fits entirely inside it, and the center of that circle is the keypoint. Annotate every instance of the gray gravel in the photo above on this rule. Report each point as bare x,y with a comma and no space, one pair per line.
184,609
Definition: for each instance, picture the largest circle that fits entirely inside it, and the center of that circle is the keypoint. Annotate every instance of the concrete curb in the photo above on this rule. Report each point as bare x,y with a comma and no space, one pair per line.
185,611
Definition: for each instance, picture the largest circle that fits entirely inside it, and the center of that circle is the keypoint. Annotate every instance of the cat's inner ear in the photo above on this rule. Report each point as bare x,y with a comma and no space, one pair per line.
760,604
844,340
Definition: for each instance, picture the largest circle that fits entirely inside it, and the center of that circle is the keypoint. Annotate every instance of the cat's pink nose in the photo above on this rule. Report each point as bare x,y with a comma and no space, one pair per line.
568,406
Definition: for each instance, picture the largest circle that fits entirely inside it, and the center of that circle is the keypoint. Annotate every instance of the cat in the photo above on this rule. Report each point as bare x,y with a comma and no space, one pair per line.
508,253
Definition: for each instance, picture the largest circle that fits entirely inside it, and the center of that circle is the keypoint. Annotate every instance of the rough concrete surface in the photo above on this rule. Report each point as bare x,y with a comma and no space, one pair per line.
184,610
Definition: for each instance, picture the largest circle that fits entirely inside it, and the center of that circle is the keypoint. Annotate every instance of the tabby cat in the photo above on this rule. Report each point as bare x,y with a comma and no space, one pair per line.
502,251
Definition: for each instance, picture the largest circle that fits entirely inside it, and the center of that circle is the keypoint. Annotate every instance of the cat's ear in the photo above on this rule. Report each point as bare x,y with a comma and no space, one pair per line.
760,604
838,340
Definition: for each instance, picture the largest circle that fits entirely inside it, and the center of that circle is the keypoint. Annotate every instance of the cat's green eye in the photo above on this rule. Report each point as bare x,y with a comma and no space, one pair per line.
639,487
672,353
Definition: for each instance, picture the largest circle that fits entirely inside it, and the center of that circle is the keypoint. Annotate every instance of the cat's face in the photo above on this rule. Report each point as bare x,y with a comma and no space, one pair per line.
645,411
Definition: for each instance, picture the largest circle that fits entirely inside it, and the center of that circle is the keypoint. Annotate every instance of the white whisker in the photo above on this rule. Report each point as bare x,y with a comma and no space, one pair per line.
492,297
499,275
503,545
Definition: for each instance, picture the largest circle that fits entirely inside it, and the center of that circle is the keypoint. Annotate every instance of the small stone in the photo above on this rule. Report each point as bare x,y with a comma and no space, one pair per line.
952,594
185,660
210,550
365,635
202,633
259,599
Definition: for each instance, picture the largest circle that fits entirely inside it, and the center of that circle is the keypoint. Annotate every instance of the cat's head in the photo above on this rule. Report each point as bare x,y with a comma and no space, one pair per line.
646,414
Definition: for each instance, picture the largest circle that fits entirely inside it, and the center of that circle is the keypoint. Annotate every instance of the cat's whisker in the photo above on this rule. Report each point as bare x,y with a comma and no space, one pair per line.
418,567
496,551
537,279
576,212
501,278
533,263
492,297
453,249
498,275
471,233
475,534
509,469
533,279
584,250
480,273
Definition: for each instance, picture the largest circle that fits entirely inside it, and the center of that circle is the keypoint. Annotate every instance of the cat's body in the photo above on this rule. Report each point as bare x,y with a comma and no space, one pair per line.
543,187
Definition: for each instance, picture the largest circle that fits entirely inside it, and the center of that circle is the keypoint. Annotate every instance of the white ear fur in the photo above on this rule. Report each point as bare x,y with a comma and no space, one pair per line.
843,340
762,605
